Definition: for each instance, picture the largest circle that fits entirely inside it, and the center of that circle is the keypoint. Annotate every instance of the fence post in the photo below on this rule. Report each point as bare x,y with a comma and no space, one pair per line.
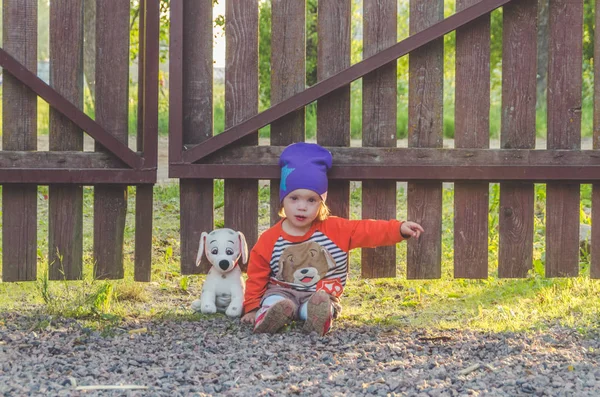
564,132
112,83
19,132
379,128
519,56
65,228
472,129
425,129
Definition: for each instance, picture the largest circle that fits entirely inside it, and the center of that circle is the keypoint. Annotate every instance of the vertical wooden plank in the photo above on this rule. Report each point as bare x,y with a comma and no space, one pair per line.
379,128
564,132
288,71
333,110
147,133
65,226
143,233
19,132
595,238
425,129
515,254
241,102
472,107
196,195
112,83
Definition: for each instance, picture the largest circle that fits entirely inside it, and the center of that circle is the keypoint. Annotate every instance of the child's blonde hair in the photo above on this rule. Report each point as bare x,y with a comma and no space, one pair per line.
323,213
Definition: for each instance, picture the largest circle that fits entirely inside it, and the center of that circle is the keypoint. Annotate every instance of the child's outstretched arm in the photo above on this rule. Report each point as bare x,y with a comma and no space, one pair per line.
410,229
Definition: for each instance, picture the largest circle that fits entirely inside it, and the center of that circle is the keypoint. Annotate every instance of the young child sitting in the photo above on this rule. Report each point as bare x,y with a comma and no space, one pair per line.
298,268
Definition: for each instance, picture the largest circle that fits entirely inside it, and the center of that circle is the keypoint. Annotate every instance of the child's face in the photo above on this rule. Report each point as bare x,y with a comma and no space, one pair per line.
301,208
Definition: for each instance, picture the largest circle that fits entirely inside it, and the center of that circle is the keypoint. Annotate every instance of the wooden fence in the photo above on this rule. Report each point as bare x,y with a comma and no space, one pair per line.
197,157
65,167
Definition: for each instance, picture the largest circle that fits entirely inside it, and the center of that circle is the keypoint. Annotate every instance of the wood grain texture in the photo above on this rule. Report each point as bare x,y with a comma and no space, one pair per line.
241,102
333,110
472,107
288,77
143,233
515,256
425,129
197,196
65,228
564,132
112,82
379,129
19,132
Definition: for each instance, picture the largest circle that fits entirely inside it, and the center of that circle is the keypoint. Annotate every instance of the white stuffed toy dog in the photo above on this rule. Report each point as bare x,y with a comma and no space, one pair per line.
223,289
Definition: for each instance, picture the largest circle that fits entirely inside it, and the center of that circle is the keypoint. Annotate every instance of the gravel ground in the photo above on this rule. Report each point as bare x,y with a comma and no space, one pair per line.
218,356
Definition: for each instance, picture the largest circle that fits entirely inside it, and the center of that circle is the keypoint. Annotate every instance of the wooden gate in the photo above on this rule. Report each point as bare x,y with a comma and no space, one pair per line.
198,157
66,167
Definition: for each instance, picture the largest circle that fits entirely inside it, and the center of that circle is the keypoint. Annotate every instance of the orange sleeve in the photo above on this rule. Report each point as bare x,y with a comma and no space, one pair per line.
259,272
366,233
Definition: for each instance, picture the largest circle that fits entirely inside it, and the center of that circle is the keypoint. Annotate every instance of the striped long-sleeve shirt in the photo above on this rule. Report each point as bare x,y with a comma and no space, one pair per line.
336,235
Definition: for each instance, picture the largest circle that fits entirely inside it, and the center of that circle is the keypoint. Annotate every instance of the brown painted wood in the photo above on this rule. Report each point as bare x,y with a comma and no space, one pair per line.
515,256
564,132
241,103
288,77
112,82
472,107
143,233
196,197
60,103
595,238
333,110
147,133
65,228
379,129
339,80
367,171
41,176
404,157
19,132
425,129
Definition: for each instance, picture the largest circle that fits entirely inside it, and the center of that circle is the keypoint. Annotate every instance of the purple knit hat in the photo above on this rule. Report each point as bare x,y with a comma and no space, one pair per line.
304,166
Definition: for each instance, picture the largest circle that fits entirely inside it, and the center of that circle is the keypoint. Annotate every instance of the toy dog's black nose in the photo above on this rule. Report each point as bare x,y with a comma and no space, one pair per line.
224,264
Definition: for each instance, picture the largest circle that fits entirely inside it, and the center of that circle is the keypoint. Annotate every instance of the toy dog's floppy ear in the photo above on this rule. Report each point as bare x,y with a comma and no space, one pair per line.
201,248
243,247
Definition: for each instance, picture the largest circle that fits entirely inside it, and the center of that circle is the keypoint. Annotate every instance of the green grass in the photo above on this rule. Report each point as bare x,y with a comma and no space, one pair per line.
491,304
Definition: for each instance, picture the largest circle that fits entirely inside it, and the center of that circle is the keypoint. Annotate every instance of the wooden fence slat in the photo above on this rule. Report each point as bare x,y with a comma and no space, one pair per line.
288,77
515,254
112,82
564,132
333,110
595,237
147,133
379,128
425,129
472,107
241,102
143,233
65,227
197,199
19,132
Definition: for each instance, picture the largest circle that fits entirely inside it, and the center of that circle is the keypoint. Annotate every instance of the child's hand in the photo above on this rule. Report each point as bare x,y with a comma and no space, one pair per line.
249,318
411,229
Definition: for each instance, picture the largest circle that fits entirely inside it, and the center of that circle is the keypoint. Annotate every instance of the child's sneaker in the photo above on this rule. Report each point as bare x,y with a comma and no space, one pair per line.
270,319
318,314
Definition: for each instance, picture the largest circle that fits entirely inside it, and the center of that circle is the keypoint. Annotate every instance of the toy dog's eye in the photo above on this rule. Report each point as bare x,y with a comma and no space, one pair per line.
214,251
229,251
